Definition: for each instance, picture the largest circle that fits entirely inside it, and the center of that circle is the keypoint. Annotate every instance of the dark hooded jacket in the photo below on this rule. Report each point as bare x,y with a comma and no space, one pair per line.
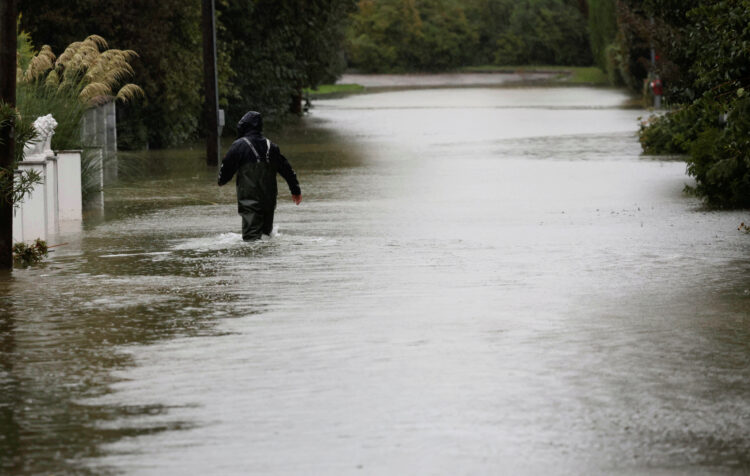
256,174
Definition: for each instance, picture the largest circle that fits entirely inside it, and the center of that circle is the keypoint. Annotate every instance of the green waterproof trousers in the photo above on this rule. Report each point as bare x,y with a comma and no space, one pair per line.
256,198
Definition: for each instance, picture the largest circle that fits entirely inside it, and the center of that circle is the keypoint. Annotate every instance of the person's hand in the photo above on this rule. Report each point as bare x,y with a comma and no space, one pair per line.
296,199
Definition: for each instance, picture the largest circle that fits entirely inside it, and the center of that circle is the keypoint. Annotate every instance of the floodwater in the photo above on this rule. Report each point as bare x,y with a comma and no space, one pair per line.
446,79
478,281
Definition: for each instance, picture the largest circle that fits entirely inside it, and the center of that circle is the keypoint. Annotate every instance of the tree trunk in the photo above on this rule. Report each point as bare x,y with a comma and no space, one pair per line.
8,41
296,106
583,5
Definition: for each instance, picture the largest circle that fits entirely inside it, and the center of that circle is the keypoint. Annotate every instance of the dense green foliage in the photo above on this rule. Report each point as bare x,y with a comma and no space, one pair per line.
268,51
424,35
279,48
15,186
602,30
706,59
166,35
388,35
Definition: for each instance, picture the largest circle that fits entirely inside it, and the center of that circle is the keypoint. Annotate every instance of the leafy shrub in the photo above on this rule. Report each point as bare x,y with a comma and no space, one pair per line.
28,255
710,63
719,159
15,186
673,133
613,59
717,152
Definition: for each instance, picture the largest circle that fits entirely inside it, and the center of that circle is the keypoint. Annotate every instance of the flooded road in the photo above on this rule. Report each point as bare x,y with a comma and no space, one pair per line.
427,80
478,281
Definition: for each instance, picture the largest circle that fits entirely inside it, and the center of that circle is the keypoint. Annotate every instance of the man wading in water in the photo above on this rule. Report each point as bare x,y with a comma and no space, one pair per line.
256,161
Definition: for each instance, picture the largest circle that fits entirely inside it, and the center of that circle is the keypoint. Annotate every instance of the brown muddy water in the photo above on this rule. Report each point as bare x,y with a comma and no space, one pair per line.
478,281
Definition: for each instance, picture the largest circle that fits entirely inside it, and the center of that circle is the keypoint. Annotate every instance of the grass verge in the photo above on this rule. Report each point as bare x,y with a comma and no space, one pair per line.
329,89
574,75
589,75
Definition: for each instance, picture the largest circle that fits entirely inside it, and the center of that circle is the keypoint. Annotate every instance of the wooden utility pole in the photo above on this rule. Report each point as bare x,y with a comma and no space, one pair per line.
210,82
8,41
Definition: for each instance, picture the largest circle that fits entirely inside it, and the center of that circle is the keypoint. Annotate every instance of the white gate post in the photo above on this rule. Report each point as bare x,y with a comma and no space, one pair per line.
53,215
110,151
34,216
36,210
69,185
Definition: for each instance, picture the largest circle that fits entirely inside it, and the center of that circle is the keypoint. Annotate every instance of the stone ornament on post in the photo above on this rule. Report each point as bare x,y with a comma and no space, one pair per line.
40,148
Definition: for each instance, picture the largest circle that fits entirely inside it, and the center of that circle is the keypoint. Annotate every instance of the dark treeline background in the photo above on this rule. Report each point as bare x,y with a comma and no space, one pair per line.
407,35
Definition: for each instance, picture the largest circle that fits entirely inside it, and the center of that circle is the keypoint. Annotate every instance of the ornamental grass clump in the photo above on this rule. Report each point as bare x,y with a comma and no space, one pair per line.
85,75
86,68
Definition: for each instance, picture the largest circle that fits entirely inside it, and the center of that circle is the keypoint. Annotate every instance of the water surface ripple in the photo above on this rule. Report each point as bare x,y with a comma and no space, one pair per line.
479,281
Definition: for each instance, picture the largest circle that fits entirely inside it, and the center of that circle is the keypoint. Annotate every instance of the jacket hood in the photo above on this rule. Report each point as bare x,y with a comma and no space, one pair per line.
251,123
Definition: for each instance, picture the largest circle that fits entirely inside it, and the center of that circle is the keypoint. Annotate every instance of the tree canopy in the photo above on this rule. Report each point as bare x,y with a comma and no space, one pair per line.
278,48
429,35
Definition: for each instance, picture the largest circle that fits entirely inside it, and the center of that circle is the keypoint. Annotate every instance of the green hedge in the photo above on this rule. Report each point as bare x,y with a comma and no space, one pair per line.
706,49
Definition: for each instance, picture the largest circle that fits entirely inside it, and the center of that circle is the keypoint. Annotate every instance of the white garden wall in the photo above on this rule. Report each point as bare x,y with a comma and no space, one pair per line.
57,200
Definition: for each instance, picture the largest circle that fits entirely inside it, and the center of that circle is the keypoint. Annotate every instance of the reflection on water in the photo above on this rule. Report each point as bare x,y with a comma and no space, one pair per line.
479,281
